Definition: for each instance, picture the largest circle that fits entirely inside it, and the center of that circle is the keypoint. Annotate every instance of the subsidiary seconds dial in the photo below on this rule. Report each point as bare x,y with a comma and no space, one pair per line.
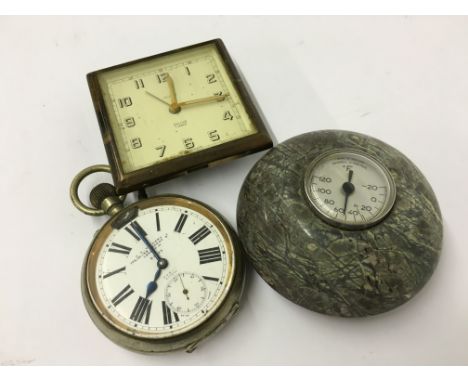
349,188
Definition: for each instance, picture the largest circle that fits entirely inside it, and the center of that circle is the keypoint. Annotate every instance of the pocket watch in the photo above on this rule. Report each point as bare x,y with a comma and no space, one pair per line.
165,272
346,225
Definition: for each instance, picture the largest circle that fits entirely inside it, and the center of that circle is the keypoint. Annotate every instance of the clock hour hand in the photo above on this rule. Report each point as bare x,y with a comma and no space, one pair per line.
203,100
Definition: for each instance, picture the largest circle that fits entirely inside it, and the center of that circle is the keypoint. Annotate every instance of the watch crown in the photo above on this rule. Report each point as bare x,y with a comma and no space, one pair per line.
104,196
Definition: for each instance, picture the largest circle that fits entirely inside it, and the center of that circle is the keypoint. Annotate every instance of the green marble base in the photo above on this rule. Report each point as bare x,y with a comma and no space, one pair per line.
324,268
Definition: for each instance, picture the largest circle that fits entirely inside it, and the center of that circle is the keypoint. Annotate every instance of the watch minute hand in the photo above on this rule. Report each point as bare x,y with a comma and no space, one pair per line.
162,263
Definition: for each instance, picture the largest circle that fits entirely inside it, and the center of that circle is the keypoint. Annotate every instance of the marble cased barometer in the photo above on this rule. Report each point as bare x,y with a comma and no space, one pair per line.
340,223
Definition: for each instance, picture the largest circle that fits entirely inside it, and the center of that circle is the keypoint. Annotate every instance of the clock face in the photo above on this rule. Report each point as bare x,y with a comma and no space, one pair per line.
164,271
349,188
170,106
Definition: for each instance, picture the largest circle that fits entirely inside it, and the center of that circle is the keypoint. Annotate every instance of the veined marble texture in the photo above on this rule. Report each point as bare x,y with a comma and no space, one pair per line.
334,271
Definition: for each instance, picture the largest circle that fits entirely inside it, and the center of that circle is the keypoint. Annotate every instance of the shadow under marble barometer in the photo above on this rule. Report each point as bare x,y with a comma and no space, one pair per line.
166,272
345,224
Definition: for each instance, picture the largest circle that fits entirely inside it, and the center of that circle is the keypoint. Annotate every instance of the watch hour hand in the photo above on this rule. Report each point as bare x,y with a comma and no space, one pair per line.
152,286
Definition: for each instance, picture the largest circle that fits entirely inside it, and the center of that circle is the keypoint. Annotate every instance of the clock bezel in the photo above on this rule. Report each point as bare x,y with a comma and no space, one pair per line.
160,172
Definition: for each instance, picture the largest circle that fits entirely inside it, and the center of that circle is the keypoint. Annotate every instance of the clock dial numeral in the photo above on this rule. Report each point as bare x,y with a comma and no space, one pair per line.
113,272
168,314
211,278
119,248
189,143
188,71
139,231
214,136
162,150
199,235
211,78
130,231
139,84
122,295
218,93
158,224
136,143
209,255
130,122
162,77
228,116
125,102
142,310
180,223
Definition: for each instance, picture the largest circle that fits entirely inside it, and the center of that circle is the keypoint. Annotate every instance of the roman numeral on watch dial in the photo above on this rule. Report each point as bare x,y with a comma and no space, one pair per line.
122,295
168,314
180,222
158,224
113,272
119,248
137,230
209,255
141,310
211,278
199,235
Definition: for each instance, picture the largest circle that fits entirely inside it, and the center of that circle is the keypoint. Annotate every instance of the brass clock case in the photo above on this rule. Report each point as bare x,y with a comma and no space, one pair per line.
126,181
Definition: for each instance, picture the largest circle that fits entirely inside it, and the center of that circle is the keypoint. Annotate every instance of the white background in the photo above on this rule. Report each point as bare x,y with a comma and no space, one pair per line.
400,79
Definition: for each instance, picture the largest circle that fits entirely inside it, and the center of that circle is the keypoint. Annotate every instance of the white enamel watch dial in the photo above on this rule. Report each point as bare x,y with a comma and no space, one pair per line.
162,273
349,188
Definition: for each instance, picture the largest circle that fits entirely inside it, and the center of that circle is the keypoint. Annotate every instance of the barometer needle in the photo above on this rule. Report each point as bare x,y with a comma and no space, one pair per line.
348,188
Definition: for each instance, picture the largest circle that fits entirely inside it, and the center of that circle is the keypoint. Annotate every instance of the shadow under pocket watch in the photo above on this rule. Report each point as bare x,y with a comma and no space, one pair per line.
166,272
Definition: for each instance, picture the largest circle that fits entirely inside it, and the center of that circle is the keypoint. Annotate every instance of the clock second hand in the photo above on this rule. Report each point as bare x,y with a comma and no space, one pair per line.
159,99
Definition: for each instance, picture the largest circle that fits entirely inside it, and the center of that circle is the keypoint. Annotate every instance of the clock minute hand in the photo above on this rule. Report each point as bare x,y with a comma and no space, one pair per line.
203,100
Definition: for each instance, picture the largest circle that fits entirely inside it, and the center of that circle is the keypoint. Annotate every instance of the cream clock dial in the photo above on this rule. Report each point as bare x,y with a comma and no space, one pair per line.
187,98
175,112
